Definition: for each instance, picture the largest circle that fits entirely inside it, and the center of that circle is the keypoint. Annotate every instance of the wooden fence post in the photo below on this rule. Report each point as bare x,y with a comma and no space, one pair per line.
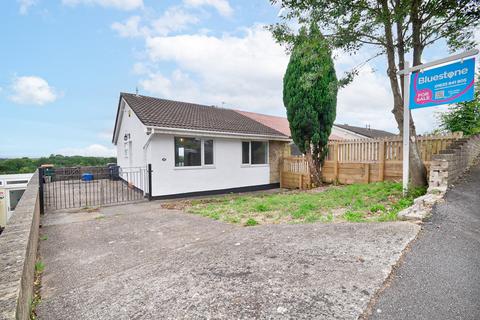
335,162
281,172
366,172
381,161
300,183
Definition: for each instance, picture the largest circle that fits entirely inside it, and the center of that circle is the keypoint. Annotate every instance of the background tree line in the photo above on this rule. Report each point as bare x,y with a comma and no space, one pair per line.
27,165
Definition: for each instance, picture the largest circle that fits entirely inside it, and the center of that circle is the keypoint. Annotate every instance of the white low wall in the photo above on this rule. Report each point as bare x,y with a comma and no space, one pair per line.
227,172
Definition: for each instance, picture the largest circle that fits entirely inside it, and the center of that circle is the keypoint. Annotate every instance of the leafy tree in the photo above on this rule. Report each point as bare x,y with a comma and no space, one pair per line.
395,28
310,97
464,116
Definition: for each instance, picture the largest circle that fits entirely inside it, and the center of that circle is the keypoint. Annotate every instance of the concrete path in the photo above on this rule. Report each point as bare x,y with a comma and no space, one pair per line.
440,276
143,262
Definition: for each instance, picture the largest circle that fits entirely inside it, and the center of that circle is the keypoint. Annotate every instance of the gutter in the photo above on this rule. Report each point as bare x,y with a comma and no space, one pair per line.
221,134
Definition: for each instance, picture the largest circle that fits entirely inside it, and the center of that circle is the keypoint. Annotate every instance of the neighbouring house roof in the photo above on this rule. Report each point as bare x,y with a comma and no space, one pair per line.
366,132
164,113
278,123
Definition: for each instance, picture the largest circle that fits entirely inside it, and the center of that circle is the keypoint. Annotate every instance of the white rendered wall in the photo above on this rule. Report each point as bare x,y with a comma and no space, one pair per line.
227,172
130,124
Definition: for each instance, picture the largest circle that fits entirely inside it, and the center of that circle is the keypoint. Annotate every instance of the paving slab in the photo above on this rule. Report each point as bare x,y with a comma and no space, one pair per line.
144,262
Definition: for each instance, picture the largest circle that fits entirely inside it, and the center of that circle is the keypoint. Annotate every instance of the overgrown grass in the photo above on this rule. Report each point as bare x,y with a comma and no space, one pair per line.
356,203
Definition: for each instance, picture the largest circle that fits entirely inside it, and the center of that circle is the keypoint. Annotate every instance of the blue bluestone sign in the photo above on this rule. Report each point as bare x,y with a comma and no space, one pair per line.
443,85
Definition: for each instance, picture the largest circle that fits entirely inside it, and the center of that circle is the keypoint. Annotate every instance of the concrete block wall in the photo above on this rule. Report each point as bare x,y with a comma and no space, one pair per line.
449,165
18,252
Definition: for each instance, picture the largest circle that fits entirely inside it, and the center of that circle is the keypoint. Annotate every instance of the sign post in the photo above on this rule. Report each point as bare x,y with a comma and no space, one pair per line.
406,129
425,86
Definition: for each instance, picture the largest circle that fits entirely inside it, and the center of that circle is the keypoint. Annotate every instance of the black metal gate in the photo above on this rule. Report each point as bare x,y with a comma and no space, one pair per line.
83,187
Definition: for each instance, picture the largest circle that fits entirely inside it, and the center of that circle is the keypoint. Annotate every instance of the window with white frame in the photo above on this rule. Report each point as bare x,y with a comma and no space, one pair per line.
193,152
254,152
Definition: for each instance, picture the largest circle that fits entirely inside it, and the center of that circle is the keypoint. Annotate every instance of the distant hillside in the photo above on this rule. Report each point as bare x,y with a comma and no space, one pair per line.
27,165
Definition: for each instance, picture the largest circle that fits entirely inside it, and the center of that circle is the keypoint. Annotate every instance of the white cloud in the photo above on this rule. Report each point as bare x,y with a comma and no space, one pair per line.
130,28
105,135
25,5
117,4
367,100
140,68
32,90
174,19
94,150
222,6
243,71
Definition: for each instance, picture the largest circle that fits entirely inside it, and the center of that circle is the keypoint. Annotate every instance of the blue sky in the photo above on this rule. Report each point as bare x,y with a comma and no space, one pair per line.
64,62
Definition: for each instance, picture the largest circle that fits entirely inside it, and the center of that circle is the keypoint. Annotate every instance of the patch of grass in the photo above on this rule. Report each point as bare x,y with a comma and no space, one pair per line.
387,216
214,215
304,210
39,266
415,192
251,222
260,207
353,216
44,237
327,218
377,207
360,202
100,217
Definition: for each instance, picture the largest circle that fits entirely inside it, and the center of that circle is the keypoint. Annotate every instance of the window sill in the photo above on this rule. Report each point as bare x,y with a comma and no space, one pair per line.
194,167
254,165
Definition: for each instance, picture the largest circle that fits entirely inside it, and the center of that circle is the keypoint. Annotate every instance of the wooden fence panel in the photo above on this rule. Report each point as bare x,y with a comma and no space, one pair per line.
356,161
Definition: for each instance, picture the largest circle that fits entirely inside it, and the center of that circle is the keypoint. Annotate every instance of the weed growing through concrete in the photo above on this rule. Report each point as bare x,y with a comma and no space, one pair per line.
37,284
44,237
354,203
39,266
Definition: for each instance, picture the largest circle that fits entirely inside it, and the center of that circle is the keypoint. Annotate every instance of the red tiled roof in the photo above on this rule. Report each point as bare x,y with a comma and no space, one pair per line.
277,123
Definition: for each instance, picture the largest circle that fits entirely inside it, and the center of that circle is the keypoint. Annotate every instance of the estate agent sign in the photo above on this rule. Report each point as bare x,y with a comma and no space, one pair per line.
447,84
444,81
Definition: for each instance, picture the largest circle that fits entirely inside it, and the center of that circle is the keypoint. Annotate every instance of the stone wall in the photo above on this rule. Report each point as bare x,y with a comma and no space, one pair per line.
447,166
275,154
18,251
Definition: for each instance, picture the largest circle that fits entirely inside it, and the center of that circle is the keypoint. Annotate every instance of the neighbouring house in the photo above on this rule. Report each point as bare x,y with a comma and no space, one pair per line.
196,149
367,132
12,187
339,131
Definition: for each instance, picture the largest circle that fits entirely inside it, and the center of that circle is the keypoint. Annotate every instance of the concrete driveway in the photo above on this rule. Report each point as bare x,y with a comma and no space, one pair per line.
142,262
